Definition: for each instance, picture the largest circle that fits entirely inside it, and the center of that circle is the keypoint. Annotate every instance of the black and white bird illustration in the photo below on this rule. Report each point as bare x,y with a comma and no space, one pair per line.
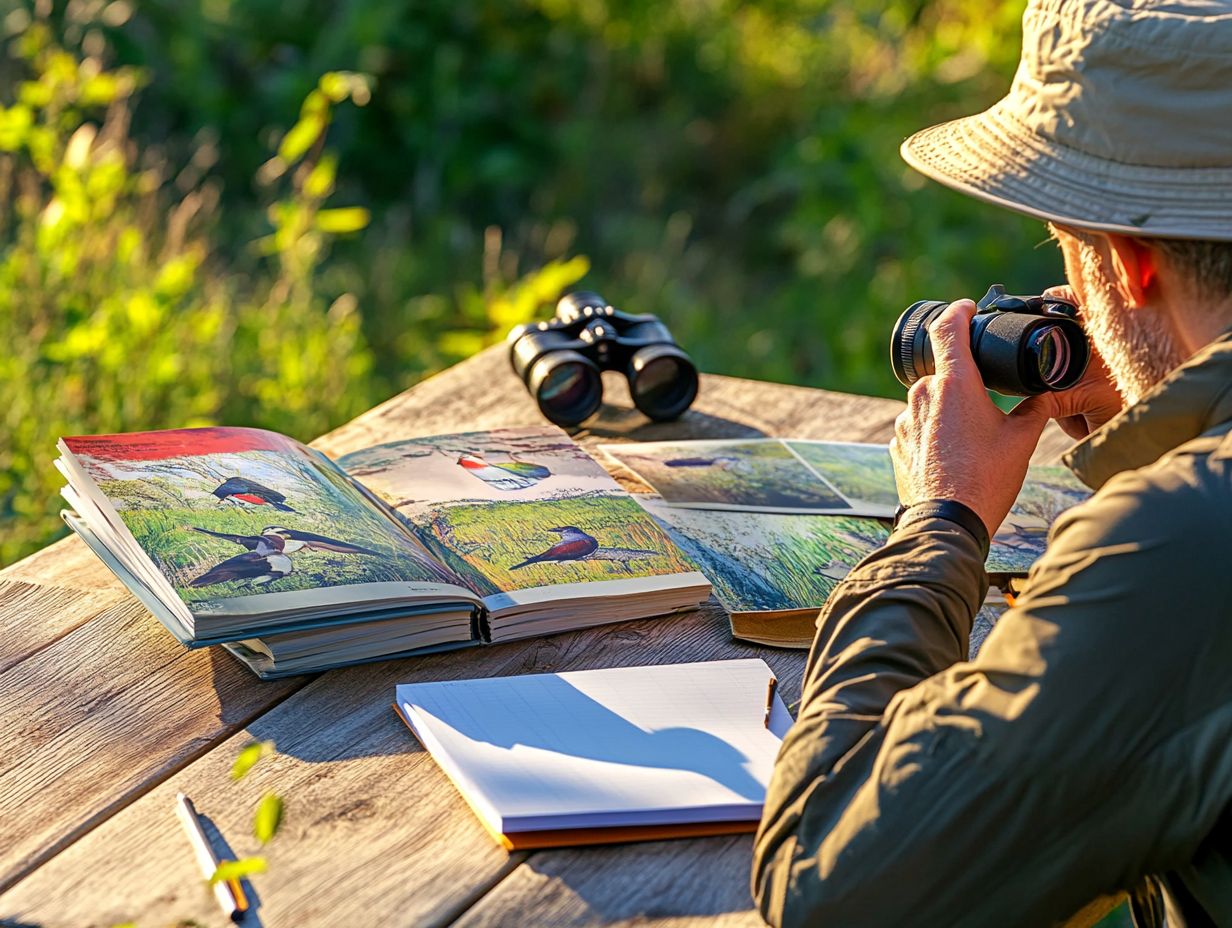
242,490
292,540
508,475
724,462
258,567
574,545
835,570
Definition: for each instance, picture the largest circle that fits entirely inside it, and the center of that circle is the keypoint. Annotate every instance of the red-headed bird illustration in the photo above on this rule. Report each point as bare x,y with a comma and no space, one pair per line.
259,568
243,490
292,540
574,545
509,475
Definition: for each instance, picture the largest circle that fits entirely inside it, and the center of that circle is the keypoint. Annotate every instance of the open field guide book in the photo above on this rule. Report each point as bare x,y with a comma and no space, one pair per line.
296,563
597,756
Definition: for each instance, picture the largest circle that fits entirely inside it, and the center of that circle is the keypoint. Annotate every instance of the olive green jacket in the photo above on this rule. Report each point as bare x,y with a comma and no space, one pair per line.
1088,747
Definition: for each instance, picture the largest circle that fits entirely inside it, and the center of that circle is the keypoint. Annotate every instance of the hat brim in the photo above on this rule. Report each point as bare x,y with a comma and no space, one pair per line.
992,156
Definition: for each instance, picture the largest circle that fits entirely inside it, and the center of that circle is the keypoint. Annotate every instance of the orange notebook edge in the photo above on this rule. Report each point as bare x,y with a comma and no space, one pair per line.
573,837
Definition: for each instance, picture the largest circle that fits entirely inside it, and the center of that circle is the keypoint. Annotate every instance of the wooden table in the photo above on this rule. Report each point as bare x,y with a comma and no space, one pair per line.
103,718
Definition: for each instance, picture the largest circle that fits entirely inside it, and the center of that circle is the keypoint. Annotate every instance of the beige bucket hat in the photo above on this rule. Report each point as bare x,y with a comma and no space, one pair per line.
1119,118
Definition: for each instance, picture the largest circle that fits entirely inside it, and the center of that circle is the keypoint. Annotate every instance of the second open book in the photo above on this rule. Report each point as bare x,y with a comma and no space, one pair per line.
294,562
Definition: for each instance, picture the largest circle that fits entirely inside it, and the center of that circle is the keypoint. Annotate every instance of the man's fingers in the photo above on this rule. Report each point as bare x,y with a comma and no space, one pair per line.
1062,292
1042,407
950,334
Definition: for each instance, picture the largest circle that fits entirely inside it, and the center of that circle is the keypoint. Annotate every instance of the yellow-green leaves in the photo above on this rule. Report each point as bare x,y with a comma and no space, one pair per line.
342,220
315,114
237,869
268,817
248,757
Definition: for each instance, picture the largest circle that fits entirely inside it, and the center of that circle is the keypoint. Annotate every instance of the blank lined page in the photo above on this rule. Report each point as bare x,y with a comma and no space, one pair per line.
596,748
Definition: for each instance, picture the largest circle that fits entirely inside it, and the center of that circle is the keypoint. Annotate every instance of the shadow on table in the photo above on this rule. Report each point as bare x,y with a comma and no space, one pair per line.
224,851
350,714
629,424
673,880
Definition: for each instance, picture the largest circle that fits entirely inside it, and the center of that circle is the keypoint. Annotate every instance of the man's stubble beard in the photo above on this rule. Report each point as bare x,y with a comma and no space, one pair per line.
1137,345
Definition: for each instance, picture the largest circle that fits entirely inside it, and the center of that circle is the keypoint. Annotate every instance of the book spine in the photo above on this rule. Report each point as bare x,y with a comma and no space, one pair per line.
480,629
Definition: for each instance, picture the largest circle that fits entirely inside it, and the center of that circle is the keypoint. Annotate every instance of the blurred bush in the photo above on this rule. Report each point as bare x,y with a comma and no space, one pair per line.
731,166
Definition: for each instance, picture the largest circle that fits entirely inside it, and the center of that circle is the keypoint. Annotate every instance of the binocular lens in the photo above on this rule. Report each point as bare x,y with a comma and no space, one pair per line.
1051,350
662,381
567,387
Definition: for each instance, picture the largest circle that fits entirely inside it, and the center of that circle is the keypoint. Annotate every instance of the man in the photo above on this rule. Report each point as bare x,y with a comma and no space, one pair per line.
1088,749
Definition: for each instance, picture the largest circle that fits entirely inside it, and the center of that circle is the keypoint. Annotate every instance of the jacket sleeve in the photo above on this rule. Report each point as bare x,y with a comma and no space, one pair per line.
1062,764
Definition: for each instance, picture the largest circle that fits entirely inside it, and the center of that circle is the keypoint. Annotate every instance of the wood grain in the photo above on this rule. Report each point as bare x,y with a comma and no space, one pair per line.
102,714
696,882
32,615
374,831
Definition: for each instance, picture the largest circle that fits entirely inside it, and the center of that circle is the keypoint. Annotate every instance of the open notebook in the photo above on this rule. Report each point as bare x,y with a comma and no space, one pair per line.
598,756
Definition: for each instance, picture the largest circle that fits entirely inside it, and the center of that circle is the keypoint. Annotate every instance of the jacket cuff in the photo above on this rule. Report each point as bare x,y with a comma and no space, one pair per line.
951,511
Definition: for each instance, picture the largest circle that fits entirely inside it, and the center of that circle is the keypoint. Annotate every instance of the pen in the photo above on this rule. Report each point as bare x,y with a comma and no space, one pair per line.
229,893
770,688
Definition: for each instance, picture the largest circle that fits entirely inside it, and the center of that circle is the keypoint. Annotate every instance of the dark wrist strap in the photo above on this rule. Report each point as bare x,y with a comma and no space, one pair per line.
949,509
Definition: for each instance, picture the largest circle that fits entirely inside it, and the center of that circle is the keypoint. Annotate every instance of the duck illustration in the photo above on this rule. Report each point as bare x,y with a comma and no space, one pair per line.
508,475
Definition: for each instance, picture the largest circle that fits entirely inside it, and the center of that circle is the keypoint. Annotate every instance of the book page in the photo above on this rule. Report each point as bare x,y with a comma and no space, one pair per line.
769,562
598,748
760,475
234,517
519,510
773,476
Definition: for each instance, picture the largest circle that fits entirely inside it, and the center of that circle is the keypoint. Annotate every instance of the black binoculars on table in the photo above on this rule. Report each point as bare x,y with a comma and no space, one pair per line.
561,360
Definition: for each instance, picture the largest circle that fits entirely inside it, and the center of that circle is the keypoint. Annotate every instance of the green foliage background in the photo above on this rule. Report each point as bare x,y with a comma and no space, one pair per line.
277,212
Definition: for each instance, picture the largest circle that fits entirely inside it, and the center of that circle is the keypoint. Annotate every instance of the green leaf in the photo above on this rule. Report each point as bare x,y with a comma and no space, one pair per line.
343,219
301,137
237,869
320,180
269,816
251,753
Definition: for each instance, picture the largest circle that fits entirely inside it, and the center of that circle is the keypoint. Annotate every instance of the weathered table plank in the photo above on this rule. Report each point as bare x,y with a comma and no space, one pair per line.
104,712
699,881
104,717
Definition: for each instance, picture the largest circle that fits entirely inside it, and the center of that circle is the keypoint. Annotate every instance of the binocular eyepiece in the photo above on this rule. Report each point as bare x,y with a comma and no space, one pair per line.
1023,345
561,360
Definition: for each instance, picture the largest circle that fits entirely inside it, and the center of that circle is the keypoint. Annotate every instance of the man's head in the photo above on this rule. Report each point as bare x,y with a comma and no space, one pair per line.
1147,304
1118,132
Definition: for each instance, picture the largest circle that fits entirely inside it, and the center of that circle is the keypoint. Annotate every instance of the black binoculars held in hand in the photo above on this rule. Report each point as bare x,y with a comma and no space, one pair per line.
1023,345
560,360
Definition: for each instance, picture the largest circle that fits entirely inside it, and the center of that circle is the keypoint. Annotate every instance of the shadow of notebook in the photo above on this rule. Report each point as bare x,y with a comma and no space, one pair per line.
598,756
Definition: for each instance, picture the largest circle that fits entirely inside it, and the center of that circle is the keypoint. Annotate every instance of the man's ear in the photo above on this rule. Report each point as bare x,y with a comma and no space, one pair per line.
1134,266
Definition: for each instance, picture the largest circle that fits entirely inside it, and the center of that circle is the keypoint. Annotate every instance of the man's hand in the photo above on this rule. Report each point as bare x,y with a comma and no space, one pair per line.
1091,402
952,442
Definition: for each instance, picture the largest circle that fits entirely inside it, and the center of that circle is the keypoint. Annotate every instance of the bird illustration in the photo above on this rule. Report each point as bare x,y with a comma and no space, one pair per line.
723,462
292,540
243,490
510,475
574,545
259,568
835,570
